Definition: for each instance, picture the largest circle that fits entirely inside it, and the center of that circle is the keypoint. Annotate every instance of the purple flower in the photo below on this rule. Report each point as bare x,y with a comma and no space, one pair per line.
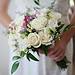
27,19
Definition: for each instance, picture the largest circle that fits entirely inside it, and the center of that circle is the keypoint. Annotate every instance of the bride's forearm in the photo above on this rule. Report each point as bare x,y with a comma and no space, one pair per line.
5,19
70,33
66,36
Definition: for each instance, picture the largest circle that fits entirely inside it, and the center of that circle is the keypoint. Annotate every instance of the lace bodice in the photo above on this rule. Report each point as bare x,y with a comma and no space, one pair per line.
21,5
61,6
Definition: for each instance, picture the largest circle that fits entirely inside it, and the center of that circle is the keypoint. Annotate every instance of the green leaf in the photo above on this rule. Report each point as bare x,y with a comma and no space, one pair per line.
30,56
37,2
67,28
63,64
22,53
59,23
58,29
14,67
56,36
16,57
51,31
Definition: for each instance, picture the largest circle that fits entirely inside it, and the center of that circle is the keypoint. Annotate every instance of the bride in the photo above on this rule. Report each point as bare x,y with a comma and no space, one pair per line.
45,66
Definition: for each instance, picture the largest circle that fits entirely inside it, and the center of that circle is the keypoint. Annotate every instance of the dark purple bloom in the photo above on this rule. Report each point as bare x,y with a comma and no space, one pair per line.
27,19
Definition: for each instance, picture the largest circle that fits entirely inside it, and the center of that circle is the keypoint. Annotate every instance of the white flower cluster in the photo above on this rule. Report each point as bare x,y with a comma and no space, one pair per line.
43,24
46,20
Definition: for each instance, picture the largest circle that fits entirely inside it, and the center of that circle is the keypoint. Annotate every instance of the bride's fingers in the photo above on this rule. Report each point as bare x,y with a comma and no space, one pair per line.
58,53
55,52
60,57
50,50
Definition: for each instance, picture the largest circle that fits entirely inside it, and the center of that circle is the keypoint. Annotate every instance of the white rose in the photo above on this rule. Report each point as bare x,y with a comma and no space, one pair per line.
51,13
34,40
52,23
18,29
55,15
43,12
46,30
45,37
39,23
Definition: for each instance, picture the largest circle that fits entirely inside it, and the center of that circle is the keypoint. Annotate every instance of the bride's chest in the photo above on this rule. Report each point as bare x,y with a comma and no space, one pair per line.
21,5
31,3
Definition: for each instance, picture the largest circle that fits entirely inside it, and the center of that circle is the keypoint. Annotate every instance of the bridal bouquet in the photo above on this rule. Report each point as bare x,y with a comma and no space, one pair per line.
37,29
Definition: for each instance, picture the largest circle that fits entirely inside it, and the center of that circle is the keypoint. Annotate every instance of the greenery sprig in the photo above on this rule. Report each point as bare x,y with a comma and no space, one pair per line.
22,54
37,2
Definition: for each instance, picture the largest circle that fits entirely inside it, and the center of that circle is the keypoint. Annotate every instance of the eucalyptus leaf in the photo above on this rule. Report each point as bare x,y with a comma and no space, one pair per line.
22,53
67,27
37,2
58,29
63,64
16,57
51,31
30,56
14,67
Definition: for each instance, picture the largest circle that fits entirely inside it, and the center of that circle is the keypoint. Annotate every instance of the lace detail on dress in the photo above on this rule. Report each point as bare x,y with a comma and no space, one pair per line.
22,5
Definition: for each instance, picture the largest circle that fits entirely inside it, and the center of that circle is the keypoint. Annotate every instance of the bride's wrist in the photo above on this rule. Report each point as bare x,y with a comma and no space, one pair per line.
73,30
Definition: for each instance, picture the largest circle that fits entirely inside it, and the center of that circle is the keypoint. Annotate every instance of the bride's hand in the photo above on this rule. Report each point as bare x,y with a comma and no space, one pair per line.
58,52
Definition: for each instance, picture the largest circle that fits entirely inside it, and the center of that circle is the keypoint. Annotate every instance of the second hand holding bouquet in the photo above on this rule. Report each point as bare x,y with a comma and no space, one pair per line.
36,30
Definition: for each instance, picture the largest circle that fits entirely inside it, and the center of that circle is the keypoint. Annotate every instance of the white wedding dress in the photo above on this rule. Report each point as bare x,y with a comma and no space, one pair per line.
45,66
